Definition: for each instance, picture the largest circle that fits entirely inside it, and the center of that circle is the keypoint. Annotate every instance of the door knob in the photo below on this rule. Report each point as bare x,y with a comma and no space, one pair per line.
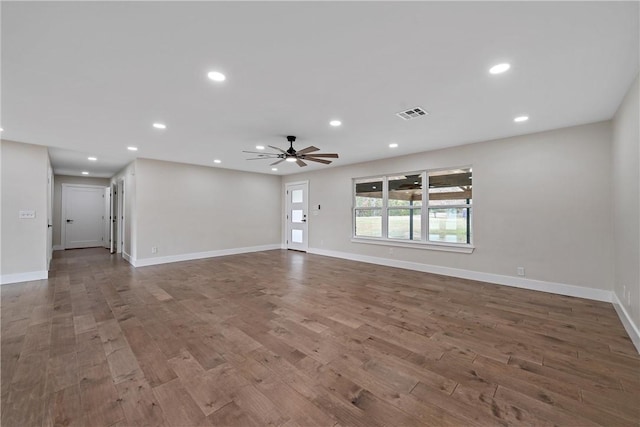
69,221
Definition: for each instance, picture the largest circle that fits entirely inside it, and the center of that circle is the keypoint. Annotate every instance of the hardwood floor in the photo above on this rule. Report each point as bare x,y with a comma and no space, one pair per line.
291,339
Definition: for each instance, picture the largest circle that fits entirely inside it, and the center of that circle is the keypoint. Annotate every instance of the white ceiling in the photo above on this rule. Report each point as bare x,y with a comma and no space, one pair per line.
90,78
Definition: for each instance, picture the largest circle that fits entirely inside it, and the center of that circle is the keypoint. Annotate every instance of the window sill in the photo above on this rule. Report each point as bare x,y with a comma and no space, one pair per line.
445,247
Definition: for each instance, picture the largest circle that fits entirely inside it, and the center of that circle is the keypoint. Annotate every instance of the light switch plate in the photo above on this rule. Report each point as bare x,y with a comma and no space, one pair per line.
27,214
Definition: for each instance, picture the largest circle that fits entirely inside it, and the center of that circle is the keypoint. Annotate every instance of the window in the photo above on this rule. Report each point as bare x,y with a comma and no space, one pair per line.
368,208
400,208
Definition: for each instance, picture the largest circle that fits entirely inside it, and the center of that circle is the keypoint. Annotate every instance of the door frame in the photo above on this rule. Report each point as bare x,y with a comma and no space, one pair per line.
63,222
287,229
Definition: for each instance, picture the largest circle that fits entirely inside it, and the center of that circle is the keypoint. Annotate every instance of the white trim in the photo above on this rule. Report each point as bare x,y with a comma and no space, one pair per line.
58,248
5,279
200,255
128,258
447,247
627,322
517,282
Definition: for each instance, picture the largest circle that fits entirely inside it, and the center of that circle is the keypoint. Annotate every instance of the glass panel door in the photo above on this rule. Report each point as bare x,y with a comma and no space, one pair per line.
297,208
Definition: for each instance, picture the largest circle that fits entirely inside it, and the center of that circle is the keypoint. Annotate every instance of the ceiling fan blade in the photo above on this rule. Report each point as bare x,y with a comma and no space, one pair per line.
261,158
323,161
331,155
307,150
300,163
261,153
277,163
276,148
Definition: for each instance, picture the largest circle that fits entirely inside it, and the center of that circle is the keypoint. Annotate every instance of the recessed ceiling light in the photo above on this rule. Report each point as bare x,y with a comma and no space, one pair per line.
217,161
85,173
393,145
521,119
259,147
335,123
499,68
93,159
291,159
216,76
159,126
1,129
132,148
274,169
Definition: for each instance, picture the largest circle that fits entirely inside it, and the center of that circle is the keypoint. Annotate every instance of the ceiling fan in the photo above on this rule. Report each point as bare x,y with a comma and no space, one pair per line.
292,155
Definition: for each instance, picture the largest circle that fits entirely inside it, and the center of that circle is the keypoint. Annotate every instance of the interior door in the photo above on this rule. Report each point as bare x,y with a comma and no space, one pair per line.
297,209
113,240
106,218
49,216
82,216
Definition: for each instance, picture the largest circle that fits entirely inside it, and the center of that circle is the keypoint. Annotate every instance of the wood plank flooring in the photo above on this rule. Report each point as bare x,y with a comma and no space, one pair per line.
290,339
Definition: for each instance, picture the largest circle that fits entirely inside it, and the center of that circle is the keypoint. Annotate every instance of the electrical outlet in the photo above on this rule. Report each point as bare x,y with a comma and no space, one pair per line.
629,298
520,271
154,249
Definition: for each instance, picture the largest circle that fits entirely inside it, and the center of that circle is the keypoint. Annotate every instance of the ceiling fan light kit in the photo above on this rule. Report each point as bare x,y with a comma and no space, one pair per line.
291,155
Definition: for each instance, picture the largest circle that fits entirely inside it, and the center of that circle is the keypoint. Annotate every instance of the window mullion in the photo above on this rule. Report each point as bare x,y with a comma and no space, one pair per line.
425,207
385,207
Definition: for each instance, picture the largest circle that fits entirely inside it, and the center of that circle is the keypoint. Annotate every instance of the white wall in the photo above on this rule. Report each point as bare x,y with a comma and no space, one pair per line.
187,211
540,201
626,206
58,180
24,187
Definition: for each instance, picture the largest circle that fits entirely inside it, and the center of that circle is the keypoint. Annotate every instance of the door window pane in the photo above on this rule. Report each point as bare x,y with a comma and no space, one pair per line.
451,225
296,196
369,222
296,215
296,236
405,224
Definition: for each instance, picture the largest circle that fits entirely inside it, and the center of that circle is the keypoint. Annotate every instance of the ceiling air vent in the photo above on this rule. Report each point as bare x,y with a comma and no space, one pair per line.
412,113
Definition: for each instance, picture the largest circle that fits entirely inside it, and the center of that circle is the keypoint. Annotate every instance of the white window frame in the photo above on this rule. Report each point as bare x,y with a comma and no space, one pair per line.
424,242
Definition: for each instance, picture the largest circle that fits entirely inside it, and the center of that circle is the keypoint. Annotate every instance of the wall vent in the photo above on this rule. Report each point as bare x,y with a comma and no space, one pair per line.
412,113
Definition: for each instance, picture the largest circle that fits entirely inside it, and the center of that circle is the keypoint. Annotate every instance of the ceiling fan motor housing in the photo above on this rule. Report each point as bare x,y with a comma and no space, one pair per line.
291,140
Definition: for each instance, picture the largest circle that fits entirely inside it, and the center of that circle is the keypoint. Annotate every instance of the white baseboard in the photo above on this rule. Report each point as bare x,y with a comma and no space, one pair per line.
58,248
5,279
144,262
631,328
127,258
517,282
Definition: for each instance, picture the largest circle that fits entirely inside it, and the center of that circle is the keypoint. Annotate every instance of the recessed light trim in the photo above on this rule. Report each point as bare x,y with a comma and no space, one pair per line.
85,173
132,148
216,76
217,161
499,68
1,129
93,159
159,126
274,169
259,147
393,145
335,123
521,119
290,159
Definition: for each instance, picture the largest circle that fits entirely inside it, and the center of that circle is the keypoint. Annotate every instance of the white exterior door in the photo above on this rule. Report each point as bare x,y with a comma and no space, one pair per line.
82,216
297,208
